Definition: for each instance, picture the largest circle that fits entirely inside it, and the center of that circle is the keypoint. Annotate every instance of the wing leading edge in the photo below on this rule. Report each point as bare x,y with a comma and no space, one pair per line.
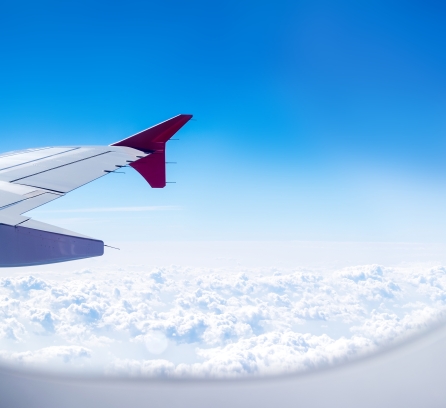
31,178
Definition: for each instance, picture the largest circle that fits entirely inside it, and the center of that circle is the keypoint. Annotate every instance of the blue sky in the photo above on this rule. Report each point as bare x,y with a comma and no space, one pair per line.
314,120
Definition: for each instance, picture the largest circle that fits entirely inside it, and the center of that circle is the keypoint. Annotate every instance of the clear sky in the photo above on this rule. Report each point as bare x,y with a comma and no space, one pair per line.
314,120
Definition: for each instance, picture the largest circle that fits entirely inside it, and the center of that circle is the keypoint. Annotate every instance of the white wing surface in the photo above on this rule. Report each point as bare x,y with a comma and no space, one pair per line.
31,179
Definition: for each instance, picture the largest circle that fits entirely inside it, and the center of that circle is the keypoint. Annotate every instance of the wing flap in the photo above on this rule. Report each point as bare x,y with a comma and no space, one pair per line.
18,158
68,157
66,178
11,215
8,198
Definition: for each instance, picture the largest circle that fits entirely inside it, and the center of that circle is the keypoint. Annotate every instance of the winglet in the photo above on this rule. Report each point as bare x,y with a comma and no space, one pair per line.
153,140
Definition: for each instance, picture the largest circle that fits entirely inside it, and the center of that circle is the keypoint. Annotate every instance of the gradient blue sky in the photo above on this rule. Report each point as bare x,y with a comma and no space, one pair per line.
314,120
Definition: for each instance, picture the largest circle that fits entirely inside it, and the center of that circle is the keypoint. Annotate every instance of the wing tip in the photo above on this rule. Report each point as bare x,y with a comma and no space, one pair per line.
153,140
149,139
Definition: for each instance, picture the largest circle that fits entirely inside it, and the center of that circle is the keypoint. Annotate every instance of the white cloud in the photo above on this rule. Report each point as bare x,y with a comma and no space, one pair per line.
54,354
12,329
181,321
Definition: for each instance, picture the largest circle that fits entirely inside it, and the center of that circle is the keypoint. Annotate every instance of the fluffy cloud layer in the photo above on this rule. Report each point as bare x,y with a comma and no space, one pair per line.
197,322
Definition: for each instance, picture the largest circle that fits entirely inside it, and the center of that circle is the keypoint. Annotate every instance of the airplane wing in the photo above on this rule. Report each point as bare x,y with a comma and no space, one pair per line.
33,177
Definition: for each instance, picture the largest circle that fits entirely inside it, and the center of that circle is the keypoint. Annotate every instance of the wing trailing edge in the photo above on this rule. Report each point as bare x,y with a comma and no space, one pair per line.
153,141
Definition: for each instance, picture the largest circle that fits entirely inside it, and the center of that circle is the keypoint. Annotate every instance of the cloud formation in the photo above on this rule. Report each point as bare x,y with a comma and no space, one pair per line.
180,321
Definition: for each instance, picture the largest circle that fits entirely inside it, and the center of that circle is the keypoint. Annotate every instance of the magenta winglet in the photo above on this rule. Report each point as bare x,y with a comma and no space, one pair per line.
152,168
153,140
